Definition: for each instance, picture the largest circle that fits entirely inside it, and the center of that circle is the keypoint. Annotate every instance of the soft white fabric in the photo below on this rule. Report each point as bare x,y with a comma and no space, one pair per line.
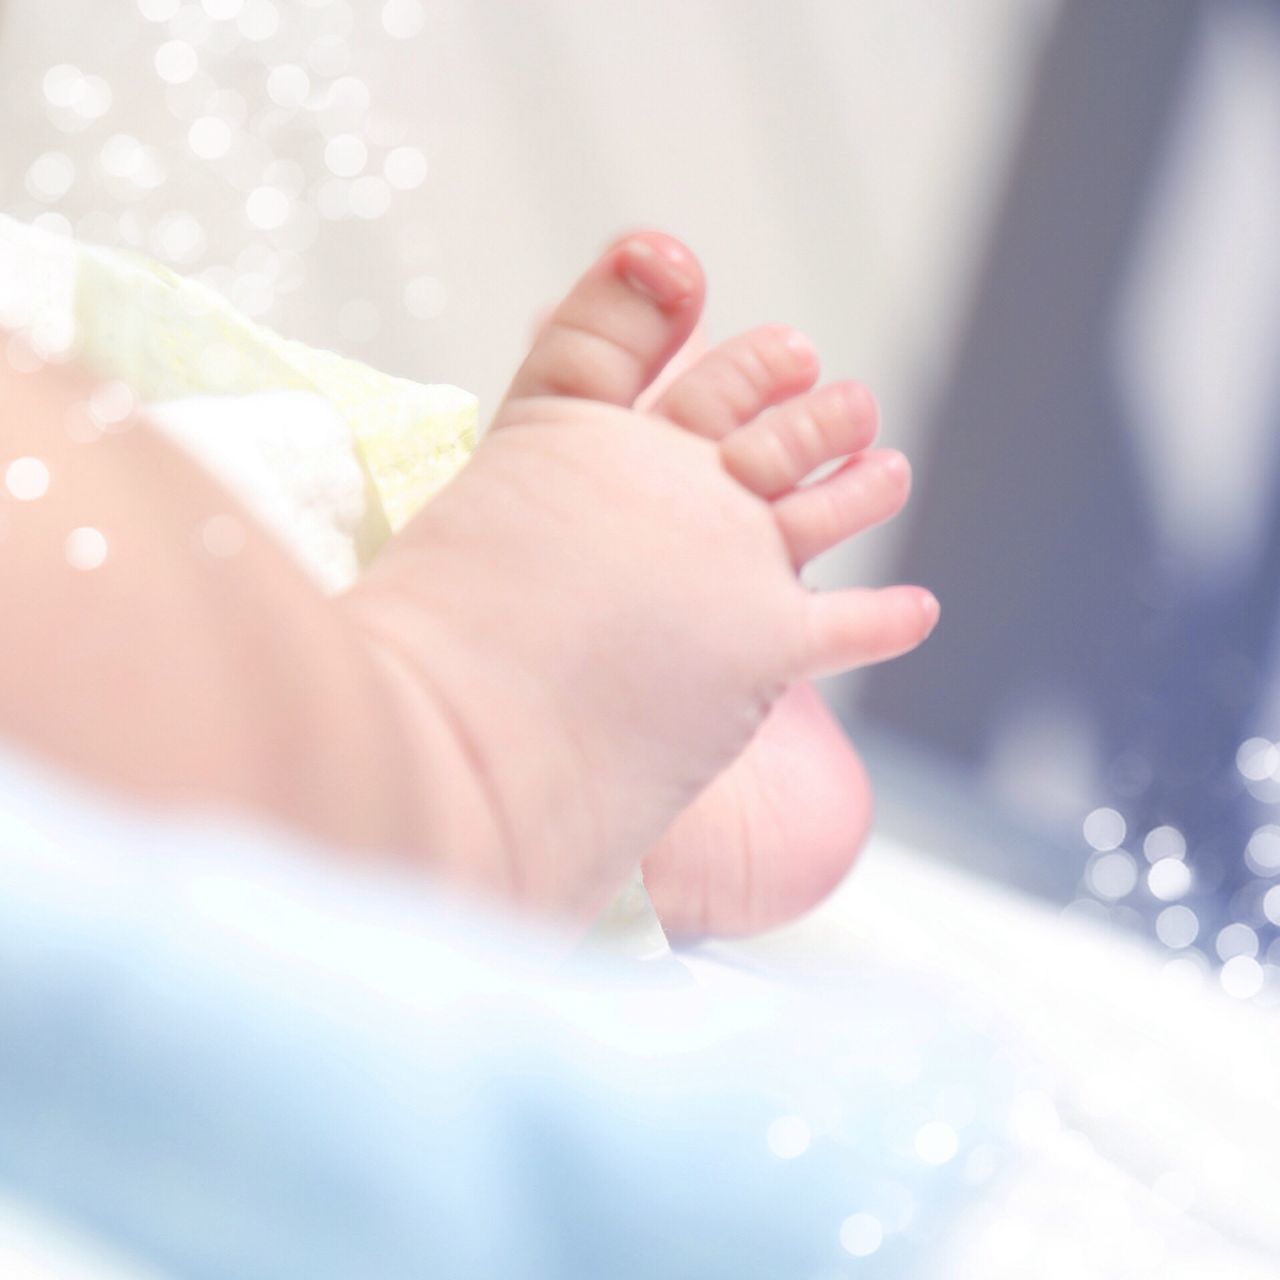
1143,1108
288,456
1148,1124
226,1055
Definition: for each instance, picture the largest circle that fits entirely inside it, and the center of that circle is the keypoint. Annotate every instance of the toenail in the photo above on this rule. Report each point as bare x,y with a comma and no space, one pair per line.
660,277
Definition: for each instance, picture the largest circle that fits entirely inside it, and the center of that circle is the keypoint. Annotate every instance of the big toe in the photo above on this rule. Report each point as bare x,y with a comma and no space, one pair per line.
619,325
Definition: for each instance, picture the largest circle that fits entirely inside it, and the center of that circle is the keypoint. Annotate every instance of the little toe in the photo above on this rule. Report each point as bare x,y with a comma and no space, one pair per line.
732,383
776,451
619,325
868,489
856,627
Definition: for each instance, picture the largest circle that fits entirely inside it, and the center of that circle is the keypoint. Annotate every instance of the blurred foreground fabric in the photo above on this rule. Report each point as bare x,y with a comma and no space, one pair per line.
224,1055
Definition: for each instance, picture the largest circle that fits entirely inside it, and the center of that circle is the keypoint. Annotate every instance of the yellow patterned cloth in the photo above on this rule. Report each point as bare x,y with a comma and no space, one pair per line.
170,338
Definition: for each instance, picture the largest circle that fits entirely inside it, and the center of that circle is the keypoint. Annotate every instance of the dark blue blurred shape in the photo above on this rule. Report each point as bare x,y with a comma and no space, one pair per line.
1030,519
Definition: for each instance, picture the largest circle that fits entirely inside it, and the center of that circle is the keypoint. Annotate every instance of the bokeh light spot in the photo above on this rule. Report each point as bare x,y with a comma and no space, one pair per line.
1112,875
86,548
209,137
936,1142
1262,853
50,176
861,1234
1257,758
1164,842
1168,879
27,479
267,208
176,62
1242,977
1104,829
288,85
788,1137
1177,927
1236,940
346,155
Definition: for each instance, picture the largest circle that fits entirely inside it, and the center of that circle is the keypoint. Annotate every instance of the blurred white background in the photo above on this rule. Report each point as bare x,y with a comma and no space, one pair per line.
834,164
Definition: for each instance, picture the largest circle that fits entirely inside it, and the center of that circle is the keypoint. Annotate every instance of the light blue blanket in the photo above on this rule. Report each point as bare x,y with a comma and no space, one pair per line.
227,1056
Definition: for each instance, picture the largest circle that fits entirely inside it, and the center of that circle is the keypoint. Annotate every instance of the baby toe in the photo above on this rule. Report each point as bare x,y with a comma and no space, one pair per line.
618,326
856,627
735,381
775,452
867,490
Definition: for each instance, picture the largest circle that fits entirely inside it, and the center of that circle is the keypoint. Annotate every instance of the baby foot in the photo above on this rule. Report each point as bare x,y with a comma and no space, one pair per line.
780,827
773,834
603,606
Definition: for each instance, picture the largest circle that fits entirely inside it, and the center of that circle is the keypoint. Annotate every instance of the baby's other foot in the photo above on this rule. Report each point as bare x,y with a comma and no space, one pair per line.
774,833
